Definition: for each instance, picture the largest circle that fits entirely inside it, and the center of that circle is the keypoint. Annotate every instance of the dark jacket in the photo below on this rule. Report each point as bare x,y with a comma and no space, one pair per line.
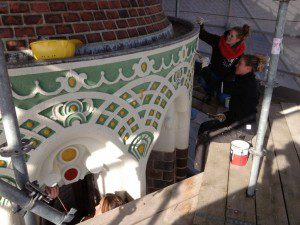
244,98
218,63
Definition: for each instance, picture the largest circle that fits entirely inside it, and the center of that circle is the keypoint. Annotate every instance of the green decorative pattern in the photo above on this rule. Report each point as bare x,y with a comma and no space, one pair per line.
141,144
30,125
125,97
46,132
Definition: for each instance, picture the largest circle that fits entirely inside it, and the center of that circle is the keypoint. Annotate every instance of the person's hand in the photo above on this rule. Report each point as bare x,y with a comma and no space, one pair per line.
52,192
221,117
200,21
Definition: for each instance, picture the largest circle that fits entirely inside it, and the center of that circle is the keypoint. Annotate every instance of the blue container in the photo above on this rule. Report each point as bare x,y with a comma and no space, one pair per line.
222,97
194,113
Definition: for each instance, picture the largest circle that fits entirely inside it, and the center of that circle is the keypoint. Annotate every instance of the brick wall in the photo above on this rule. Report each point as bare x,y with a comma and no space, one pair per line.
181,164
160,170
165,168
22,22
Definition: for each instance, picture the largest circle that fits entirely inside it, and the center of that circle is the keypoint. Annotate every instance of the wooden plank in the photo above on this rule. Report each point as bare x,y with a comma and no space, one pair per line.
239,208
292,115
212,195
180,214
288,163
270,207
151,204
198,95
197,104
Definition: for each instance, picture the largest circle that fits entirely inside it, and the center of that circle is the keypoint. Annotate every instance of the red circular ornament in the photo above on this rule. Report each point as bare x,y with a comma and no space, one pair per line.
71,174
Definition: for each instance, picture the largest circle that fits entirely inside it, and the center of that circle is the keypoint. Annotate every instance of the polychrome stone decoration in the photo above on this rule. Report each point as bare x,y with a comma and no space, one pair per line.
124,97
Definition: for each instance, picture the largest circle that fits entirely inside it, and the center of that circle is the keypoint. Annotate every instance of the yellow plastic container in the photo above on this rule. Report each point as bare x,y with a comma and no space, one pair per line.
54,49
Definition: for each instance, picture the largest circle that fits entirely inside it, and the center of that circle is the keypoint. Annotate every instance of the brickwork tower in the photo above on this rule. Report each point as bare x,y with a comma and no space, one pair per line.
129,23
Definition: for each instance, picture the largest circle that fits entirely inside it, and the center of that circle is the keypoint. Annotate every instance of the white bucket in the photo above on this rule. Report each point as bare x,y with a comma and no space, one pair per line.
239,151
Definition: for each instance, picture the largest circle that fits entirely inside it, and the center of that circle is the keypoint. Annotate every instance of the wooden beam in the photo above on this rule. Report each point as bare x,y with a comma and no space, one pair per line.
288,163
212,194
292,115
150,205
270,207
239,207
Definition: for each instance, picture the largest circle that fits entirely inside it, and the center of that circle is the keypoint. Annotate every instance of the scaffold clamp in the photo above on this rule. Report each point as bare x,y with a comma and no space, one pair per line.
27,146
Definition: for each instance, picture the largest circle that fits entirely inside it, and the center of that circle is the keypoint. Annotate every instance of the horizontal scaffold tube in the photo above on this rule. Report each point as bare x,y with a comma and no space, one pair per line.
23,200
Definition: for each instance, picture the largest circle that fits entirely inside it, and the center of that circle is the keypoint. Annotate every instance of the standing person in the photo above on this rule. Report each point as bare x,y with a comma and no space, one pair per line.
240,120
226,52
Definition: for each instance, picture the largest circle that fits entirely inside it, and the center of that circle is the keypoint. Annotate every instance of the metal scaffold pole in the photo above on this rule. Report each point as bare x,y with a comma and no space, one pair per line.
177,8
11,130
37,207
27,201
263,120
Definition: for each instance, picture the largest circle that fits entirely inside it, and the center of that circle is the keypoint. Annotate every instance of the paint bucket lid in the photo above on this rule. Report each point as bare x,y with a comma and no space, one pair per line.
239,147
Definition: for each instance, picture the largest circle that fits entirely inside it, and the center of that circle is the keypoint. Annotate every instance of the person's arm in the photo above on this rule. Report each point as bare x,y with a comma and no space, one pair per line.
209,38
52,192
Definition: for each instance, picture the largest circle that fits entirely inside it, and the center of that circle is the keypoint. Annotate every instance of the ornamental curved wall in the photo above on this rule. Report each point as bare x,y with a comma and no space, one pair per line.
103,115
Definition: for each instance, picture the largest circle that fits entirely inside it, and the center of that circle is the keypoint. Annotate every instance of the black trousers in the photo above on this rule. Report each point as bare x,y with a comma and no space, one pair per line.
221,132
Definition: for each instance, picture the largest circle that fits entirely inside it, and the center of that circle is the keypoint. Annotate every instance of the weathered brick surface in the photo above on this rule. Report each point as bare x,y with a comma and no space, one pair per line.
33,19
45,31
63,29
95,37
181,164
6,33
75,6
12,20
19,8
86,16
24,32
39,7
97,26
90,5
53,18
109,36
160,170
122,34
58,6
71,17
112,19
133,32
81,27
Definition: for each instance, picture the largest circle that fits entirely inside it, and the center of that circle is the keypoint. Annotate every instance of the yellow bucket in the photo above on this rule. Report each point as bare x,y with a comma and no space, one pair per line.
54,49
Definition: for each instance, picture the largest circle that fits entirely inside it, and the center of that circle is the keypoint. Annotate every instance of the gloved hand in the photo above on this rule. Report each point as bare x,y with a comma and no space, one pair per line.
221,117
52,192
203,60
200,21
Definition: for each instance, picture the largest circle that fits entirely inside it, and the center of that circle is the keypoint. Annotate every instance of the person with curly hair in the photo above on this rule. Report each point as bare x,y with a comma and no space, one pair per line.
226,52
232,124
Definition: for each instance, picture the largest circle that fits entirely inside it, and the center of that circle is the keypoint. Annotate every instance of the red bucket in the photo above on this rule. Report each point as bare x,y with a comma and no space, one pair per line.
239,152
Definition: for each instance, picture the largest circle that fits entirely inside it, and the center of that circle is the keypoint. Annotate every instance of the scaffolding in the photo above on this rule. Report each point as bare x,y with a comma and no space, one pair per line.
277,47
220,15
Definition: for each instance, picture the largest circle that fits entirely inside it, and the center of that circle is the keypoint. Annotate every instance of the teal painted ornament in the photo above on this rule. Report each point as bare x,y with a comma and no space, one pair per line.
72,111
140,145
